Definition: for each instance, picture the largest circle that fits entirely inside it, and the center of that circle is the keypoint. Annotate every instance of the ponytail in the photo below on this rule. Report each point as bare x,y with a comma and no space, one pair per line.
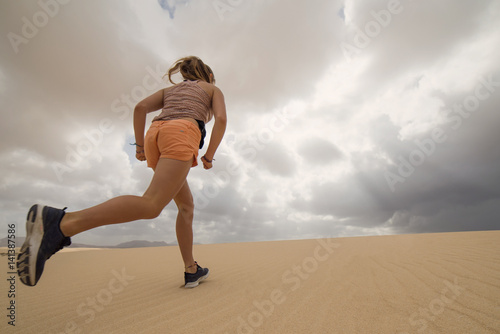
191,68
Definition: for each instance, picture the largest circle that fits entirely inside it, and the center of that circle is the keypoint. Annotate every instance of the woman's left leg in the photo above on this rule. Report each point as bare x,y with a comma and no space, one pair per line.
48,229
169,177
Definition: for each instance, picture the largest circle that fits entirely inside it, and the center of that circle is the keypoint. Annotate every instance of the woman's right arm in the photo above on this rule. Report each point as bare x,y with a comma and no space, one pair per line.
219,109
149,104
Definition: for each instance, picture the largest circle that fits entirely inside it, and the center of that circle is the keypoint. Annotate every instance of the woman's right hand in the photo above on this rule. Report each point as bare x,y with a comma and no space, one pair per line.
139,155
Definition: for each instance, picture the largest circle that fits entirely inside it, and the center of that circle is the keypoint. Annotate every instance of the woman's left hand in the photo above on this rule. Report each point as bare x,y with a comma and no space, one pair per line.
206,164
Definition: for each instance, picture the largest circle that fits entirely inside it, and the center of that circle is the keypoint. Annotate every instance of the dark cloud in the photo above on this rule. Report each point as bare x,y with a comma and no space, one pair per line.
264,53
69,74
437,179
276,159
317,150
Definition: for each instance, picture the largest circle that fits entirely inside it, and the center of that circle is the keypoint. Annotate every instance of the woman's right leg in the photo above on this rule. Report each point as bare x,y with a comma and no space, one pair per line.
169,177
184,226
193,273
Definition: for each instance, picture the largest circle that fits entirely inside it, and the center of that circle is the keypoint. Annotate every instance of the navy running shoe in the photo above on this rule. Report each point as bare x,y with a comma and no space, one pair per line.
43,239
193,280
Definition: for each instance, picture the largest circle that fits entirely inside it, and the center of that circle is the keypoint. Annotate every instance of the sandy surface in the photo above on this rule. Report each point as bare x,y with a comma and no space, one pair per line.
427,283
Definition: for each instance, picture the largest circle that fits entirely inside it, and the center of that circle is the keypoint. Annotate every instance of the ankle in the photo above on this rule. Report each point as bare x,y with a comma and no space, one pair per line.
64,226
191,269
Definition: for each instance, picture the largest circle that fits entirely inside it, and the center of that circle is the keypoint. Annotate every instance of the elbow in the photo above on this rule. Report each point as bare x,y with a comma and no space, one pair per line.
140,109
222,120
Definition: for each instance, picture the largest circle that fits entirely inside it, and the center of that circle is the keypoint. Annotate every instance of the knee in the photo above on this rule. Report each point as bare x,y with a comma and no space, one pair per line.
186,210
154,210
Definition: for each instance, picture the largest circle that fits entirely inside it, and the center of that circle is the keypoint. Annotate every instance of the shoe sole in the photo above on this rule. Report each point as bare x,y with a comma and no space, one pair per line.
26,260
194,284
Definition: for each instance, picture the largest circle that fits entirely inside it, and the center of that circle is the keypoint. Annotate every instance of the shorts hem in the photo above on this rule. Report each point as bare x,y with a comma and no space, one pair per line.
176,157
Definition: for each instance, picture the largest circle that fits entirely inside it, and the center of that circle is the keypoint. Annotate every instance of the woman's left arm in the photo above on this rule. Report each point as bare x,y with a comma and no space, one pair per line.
219,108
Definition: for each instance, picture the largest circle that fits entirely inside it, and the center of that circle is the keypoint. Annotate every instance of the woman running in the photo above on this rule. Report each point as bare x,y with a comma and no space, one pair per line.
170,148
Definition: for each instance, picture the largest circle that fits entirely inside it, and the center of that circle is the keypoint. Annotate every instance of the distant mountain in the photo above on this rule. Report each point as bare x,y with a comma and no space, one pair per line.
141,243
128,244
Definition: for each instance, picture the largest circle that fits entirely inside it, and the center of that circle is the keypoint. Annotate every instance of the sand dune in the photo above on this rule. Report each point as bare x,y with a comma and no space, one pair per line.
428,283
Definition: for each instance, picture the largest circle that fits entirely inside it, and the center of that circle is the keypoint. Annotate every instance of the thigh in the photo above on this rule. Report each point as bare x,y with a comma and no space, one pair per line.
169,177
184,198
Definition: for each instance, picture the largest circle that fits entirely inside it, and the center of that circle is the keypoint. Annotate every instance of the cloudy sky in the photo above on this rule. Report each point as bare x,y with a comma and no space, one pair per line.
346,117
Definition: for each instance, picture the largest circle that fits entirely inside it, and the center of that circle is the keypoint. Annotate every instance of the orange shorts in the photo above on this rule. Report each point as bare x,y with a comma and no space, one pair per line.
177,139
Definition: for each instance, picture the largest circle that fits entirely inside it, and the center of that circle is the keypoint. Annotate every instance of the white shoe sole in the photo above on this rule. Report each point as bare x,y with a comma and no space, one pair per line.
194,284
34,236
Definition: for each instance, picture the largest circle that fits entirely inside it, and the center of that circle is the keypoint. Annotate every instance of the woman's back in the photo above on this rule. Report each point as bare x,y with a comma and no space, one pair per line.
188,99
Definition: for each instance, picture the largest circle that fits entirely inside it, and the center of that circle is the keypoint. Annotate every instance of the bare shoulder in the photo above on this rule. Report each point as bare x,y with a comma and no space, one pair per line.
209,88
167,89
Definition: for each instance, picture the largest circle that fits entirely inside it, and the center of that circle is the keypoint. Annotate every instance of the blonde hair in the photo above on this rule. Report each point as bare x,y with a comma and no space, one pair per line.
191,68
